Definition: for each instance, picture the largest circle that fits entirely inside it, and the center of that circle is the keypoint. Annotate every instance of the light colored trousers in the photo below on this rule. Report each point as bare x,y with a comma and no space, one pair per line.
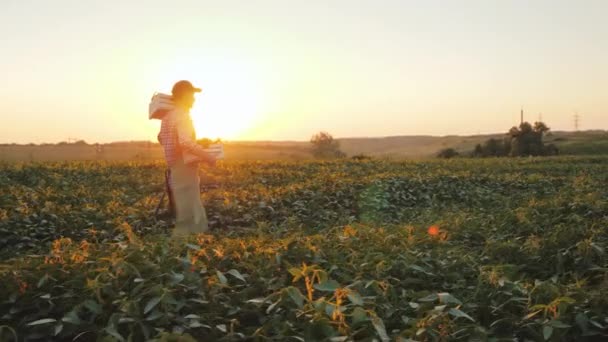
185,186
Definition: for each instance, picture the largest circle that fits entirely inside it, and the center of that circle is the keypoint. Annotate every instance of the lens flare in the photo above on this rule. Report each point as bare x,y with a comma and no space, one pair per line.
433,230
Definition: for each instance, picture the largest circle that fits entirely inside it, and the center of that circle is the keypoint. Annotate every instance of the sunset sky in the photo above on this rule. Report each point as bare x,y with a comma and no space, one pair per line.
283,70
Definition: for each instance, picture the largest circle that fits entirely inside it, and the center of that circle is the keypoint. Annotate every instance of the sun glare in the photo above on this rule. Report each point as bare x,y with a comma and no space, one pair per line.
232,96
226,108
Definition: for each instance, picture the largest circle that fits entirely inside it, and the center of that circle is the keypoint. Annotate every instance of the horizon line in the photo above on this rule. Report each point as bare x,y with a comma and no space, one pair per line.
298,141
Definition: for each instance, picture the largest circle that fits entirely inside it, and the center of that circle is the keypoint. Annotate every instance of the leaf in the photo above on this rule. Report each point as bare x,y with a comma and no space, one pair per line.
138,280
58,329
93,306
222,328
359,315
295,272
197,324
447,298
178,329
582,321
420,269
154,316
568,300
46,296
257,301
271,306
72,318
320,304
152,303
192,316
328,285
547,332
42,321
221,277
193,246
176,278
440,308
237,275
596,324
598,248
112,331
355,297
457,313
559,324
196,300
430,298
43,280
380,329
532,314
125,320
538,307
295,295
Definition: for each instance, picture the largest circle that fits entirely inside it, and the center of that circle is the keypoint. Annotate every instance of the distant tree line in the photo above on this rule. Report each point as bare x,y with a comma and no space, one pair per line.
522,141
324,146
525,140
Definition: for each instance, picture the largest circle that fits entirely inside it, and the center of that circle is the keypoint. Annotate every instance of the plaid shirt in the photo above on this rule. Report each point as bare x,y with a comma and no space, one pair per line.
177,137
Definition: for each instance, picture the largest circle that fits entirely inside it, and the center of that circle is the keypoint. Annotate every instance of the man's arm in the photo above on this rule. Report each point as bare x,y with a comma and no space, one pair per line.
185,131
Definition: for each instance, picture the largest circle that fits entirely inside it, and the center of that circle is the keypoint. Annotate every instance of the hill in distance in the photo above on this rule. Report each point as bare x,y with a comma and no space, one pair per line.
569,143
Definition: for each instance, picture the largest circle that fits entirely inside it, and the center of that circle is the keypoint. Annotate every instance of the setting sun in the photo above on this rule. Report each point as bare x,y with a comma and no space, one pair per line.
233,96
227,107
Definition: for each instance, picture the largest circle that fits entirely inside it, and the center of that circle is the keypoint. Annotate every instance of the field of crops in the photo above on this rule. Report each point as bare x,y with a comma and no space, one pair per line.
458,250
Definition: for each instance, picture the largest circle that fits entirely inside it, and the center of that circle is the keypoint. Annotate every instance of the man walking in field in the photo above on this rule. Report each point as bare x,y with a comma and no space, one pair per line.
183,155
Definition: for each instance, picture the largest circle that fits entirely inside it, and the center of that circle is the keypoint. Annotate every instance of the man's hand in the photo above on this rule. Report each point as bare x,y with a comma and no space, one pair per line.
211,161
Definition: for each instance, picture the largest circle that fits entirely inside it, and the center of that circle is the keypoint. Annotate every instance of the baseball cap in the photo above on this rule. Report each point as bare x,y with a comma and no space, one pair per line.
184,87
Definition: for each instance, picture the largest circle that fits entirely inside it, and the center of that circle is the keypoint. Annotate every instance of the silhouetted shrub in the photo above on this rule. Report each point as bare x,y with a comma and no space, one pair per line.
324,146
447,153
525,140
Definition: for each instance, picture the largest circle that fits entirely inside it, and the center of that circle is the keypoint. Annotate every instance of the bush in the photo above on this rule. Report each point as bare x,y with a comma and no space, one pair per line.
325,147
447,153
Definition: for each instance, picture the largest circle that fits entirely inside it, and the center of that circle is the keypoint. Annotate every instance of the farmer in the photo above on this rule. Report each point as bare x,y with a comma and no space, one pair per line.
183,155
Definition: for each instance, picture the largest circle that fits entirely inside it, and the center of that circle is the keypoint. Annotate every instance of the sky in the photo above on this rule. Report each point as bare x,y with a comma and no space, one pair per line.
284,70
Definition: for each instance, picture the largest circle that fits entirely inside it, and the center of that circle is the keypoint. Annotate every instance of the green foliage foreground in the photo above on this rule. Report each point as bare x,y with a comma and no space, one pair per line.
336,251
